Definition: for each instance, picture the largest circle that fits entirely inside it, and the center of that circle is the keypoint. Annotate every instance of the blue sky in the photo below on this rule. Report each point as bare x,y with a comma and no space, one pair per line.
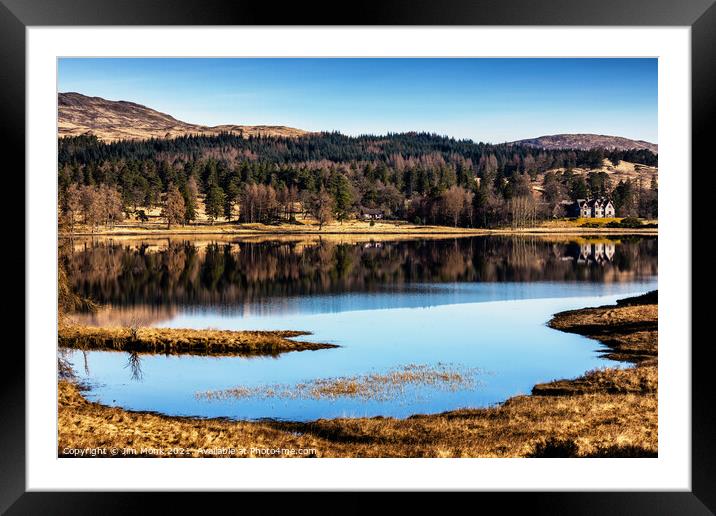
490,100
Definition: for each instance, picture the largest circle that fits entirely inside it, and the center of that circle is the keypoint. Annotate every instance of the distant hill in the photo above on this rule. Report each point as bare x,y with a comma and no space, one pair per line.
111,120
587,142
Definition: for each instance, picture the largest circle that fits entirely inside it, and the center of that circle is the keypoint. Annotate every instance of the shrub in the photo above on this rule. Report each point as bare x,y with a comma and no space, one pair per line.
630,222
554,447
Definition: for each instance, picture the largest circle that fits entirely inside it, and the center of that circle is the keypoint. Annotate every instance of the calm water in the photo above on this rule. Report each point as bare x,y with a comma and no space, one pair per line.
478,304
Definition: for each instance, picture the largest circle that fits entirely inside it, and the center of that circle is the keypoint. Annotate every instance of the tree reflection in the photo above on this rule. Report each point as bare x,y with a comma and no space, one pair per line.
134,363
183,272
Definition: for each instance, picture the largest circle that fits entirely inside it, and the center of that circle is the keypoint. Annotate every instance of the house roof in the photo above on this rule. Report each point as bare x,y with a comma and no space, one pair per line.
599,202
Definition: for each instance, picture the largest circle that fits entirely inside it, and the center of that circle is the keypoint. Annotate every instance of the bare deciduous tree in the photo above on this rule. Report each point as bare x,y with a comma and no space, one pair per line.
174,208
73,204
111,205
522,211
452,201
321,206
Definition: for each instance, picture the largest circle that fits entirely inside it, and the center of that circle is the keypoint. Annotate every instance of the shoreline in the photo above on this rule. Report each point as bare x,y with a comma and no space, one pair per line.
630,335
605,413
441,232
347,228
177,341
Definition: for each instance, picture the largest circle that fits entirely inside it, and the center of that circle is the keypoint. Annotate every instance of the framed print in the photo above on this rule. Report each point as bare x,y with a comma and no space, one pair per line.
420,246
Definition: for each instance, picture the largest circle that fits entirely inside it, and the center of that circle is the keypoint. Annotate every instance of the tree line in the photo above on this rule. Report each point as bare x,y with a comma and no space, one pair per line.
424,178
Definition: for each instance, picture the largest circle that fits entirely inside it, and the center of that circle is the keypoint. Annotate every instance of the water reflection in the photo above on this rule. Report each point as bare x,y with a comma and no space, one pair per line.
600,253
479,303
134,364
184,273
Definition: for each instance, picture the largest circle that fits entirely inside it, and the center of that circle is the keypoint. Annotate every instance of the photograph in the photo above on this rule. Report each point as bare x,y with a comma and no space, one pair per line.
357,257
419,243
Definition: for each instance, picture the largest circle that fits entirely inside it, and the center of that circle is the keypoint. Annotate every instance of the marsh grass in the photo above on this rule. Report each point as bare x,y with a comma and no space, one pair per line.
640,379
628,330
389,385
180,341
591,425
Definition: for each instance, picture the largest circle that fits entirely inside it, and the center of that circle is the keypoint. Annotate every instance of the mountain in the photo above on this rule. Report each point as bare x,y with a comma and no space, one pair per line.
587,142
111,120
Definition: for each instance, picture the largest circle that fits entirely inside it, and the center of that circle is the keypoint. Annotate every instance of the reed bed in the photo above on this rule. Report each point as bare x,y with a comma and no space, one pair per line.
385,386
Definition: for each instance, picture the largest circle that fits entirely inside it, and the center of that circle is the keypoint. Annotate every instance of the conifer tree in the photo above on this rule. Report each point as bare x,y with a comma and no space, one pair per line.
214,202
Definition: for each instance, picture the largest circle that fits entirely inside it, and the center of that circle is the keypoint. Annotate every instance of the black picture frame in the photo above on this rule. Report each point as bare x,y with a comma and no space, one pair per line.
700,15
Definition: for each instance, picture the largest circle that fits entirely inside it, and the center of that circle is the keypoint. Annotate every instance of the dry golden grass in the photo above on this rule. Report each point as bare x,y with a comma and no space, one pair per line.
630,332
582,224
605,413
129,132
624,171
335,228
309,226
374,386
111,121
516,428
592,424
175,340
642,379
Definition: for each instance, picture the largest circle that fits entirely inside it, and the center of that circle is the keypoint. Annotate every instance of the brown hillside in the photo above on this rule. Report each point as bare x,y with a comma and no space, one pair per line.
623,171
587,142
111,120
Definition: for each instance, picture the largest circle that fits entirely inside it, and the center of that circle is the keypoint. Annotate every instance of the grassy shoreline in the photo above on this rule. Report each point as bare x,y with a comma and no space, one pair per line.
606,413
344,228
184,341
629,330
